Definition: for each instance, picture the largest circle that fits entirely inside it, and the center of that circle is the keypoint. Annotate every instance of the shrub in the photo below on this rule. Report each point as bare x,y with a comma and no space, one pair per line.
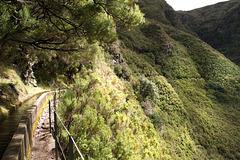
148,89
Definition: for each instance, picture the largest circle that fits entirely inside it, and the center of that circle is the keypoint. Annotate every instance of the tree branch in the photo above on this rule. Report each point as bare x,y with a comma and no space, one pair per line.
55,49
36,45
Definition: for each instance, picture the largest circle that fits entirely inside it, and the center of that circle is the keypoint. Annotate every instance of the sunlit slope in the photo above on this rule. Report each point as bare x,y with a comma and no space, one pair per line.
206,82
157,93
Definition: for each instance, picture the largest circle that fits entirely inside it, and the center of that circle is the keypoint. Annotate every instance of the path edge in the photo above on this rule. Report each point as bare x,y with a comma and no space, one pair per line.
20,146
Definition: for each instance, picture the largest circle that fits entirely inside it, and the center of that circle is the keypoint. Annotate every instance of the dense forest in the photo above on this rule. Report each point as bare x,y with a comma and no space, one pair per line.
141,84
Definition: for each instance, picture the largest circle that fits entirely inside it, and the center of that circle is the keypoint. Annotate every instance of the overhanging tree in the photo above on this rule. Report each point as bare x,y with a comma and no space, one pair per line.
48,24
37,26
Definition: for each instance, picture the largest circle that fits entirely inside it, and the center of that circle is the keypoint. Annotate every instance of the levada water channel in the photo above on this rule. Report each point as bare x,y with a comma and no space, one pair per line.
10,125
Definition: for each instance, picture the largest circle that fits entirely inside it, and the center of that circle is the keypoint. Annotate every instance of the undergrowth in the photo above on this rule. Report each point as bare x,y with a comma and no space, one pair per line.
178,100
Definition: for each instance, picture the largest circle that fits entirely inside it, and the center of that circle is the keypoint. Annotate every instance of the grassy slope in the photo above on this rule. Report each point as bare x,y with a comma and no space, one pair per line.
218,25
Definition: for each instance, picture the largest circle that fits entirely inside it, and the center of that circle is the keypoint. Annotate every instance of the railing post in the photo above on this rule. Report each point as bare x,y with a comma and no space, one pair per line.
54,100
49,105
55,126
71,147
59,95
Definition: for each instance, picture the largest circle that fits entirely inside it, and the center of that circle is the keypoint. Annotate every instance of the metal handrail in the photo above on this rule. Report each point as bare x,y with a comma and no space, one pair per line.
69,134
57,143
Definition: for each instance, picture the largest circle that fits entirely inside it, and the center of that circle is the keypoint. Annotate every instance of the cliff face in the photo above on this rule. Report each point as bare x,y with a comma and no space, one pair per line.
218,25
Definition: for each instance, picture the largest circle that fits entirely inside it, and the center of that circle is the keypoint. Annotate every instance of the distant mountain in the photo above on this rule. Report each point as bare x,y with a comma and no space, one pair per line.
218,25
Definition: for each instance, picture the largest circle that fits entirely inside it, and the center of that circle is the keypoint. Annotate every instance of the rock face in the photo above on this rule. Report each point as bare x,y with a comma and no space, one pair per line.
9,96
29,77
14,88
13,91
120,66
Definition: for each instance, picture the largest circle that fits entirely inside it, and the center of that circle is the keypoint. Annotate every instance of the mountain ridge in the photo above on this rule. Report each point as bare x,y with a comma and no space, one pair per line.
218,25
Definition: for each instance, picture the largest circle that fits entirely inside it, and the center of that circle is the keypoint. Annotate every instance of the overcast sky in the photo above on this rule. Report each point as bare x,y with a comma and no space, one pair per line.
191,4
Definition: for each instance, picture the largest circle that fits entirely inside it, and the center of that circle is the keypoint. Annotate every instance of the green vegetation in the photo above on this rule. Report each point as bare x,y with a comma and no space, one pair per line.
157,92
56,38
205,85
54,33
218,25
13,91
105,118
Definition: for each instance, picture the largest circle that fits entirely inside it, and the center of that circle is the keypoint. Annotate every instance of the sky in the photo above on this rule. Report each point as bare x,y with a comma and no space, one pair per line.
190,4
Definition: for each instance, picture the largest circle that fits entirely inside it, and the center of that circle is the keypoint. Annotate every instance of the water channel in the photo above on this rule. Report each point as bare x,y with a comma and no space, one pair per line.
9,125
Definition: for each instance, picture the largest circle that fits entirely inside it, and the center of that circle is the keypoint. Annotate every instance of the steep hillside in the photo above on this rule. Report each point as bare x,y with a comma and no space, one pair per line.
206,83
171,95
160,11
158,92
218,25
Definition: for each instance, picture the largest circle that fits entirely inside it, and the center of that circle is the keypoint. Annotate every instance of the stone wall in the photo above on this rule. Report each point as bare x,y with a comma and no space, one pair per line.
20,145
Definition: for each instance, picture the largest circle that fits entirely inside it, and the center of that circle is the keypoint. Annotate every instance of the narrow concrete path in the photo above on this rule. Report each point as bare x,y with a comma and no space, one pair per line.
43,142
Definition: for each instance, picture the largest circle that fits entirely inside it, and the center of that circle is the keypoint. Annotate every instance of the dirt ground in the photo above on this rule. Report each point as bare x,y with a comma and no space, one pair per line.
43,142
